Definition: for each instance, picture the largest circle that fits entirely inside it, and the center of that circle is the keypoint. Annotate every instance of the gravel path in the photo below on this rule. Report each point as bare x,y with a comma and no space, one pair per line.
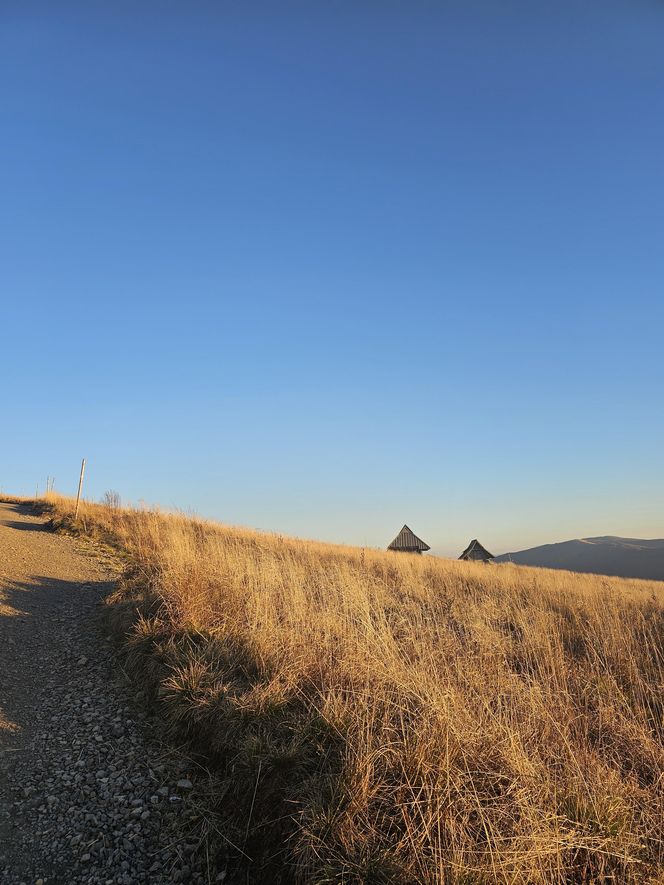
86,792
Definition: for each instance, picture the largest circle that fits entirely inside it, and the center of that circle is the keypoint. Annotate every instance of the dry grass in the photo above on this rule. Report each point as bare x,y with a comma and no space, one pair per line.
384,718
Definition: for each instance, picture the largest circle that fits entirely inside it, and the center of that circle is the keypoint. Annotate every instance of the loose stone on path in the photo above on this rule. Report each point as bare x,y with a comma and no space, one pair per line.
84,792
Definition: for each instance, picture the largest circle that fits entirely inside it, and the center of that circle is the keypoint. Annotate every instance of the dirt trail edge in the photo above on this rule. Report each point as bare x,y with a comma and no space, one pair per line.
86,794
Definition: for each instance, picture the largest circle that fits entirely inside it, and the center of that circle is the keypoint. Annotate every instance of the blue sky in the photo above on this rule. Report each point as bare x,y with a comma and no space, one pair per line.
324,268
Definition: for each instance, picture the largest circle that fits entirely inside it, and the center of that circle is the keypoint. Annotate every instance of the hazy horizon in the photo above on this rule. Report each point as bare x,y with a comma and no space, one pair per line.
329,270
439,547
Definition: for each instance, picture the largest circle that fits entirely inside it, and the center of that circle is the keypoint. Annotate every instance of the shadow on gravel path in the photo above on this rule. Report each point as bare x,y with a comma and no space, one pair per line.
38,618
85,796
25,526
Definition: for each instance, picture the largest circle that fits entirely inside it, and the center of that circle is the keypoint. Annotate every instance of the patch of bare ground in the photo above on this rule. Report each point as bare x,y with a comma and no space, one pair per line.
88,793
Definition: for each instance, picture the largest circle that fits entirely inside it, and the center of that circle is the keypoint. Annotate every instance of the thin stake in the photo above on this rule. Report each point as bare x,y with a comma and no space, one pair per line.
80,486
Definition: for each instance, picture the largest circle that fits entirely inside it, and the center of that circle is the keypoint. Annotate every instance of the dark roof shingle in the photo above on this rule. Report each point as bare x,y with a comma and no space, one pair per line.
476,551
408,540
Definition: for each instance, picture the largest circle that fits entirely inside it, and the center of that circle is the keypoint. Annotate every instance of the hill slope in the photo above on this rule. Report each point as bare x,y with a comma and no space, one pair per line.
381,718
607,555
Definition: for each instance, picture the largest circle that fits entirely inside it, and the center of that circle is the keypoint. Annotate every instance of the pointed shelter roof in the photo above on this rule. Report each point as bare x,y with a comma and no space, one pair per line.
408,540
476,551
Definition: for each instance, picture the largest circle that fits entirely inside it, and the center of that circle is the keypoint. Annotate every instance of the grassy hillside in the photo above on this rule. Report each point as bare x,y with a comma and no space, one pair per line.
378,717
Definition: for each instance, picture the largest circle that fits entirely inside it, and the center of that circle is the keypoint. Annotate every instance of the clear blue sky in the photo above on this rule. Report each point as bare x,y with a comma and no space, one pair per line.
324,268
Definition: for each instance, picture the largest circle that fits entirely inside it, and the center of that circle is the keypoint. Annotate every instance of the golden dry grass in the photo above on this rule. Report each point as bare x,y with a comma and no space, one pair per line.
378,717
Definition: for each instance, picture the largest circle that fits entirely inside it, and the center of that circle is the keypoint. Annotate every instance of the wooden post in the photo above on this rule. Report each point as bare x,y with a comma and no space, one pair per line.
80,486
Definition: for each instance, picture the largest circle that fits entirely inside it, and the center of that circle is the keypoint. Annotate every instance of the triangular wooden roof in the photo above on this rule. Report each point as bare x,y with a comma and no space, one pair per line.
408,540
475,547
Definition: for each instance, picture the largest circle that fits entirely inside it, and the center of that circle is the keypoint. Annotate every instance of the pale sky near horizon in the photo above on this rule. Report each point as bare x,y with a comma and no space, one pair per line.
324,269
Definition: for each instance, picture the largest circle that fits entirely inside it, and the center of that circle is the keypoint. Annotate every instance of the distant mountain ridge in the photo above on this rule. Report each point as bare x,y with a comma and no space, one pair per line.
606,555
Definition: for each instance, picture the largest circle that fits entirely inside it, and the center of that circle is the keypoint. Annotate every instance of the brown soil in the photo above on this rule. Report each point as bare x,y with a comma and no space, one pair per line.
88,794
39,573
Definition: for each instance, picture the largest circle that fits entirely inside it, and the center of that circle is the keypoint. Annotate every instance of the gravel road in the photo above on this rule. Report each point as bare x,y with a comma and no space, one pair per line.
87,794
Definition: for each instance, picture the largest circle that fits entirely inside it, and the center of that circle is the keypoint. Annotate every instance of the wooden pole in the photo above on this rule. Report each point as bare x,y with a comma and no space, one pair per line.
80,486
